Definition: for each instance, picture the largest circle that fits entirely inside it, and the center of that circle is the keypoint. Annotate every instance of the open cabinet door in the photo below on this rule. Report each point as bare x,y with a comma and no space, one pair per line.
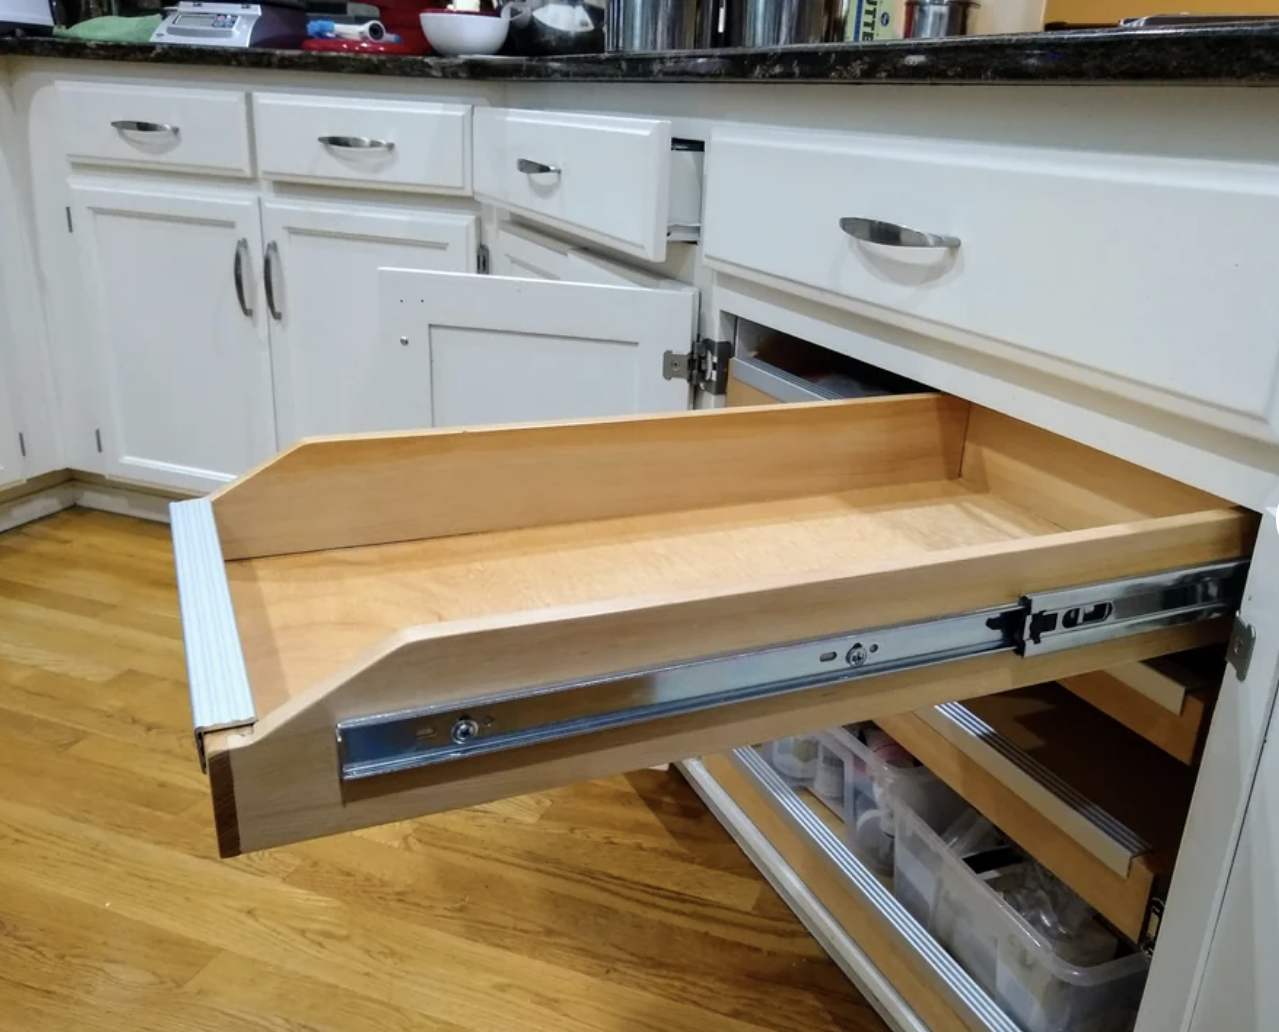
384,626
504,350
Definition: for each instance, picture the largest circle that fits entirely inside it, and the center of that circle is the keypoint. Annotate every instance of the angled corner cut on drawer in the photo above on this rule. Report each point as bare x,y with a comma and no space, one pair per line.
378,574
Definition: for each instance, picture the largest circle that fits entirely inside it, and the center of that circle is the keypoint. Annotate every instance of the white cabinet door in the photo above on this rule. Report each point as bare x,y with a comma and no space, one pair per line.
504,350
178,327
1239,989
334,372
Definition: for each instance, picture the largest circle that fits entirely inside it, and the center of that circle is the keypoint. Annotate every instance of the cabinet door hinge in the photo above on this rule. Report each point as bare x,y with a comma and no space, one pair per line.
1239,651
705,367
482,260
70,225
22,445
97,436
1150,934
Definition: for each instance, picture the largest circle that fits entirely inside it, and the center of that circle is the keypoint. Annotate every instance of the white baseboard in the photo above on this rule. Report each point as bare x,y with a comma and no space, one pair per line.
45,502
124,501
95,493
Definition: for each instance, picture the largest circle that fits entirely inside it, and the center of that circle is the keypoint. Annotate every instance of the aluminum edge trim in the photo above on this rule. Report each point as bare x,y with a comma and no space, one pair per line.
983,734
216,674
889,1004
953,980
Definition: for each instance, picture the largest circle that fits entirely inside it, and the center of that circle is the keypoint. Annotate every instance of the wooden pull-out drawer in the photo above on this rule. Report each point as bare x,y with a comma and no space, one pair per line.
1100,807
1168,701
387,626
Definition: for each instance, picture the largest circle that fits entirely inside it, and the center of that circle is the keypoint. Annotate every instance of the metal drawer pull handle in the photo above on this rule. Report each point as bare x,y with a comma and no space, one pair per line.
536,168
893,235
241,251
268,279
361,143
128,125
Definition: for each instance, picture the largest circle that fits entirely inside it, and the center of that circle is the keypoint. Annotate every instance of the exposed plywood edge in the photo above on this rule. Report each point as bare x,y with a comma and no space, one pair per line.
287,787
1069,483
1181,735
1121,899
488,656
375,489
861,923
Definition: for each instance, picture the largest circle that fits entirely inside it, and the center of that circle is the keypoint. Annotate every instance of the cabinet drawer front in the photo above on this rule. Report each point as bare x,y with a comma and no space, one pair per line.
156,127
606,179
377,143
1108,270
426,621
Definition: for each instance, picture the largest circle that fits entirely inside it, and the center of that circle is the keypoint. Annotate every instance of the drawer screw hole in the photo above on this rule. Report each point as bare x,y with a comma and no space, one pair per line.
464,730
828,657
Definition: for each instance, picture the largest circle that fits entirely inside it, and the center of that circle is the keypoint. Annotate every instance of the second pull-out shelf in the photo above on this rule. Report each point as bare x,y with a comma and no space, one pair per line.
384,626
1099,806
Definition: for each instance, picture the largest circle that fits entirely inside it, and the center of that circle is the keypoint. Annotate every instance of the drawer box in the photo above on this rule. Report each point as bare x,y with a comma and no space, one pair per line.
156,127
1112,271
410,623
613,181
405,145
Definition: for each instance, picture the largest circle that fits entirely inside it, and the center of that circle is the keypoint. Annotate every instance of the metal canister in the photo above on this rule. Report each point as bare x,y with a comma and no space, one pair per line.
932,19
777,23
635,26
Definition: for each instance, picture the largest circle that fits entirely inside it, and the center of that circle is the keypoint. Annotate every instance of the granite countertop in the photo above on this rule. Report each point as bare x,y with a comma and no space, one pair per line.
1238,54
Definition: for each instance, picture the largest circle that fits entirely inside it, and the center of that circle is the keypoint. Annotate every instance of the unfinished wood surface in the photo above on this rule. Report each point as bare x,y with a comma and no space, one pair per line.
862,924
743,395
488,655
303,618
1180,734
1167,680
1138,784
618,904
1075,486
1121,773
275,787
374,489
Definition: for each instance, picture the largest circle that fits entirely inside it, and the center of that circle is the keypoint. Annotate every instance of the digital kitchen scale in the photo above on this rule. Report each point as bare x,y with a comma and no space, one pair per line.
271,23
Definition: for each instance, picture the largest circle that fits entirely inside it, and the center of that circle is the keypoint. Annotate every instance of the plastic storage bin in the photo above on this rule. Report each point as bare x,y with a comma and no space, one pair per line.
845,774
795,759
1038,989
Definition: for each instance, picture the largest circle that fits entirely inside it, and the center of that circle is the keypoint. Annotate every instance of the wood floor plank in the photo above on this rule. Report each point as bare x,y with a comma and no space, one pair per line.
616,905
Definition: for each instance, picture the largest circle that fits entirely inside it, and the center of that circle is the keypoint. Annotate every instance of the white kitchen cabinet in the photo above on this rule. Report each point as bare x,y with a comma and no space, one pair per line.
333,371
503,350
11,465
179,332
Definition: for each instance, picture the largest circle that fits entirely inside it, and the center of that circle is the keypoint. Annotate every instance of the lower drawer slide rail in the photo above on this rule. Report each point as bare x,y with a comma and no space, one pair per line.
404,740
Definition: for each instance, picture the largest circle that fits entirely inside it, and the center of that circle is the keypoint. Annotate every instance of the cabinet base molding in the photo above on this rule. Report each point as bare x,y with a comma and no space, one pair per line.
43,496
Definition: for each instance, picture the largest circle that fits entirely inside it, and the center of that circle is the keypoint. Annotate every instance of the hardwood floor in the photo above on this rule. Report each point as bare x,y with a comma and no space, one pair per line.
618,904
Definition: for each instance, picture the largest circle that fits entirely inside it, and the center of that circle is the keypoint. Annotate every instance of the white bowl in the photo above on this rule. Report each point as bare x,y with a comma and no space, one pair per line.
455,34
